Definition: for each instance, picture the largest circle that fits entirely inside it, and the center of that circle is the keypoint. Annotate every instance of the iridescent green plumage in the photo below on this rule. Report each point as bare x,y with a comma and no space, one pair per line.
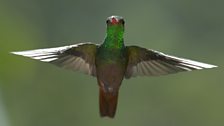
112,61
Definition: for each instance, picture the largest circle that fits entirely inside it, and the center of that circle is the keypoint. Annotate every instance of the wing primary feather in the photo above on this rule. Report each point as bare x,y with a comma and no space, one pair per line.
78,63
69,64
152,68
162,67
172,68
76,57
191,62
146,68
190,66
159,68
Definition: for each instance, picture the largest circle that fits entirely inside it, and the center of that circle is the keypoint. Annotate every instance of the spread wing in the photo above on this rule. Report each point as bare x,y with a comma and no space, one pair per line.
75,57
153,63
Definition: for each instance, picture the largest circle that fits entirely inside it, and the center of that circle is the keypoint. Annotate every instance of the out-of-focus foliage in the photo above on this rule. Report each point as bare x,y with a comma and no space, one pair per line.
39,94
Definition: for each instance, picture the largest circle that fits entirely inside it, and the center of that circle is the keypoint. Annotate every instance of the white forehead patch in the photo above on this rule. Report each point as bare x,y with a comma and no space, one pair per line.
115,17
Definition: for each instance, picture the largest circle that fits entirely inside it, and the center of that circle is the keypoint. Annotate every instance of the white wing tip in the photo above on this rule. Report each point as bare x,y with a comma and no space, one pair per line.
192,63
210,66
199,64
36,55
22,53
16,53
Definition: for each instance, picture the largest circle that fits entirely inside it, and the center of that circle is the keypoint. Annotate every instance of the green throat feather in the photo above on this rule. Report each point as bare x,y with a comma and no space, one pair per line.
114,38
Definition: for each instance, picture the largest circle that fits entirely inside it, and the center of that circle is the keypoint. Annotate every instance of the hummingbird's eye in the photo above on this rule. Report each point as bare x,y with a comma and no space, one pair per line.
122,21
107,21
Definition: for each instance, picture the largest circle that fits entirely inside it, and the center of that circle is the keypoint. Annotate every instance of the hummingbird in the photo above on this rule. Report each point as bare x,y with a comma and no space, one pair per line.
112,61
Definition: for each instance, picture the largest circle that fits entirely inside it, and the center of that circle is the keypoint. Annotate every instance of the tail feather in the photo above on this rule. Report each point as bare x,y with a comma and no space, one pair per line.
108,103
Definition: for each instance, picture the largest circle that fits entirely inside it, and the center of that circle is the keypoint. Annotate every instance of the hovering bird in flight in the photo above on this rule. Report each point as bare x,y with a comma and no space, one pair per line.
112,61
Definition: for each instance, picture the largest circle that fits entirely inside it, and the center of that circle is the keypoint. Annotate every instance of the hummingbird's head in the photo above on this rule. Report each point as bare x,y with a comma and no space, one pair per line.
115,26
115,20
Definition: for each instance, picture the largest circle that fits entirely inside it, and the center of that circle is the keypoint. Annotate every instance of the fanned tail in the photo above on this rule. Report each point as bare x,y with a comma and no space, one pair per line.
108,103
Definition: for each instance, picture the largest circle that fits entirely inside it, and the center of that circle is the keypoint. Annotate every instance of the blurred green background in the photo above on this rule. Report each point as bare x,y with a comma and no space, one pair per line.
33,93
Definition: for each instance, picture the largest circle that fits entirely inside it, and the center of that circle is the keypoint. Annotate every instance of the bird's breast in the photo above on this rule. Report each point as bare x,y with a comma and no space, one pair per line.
110,76
110,69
